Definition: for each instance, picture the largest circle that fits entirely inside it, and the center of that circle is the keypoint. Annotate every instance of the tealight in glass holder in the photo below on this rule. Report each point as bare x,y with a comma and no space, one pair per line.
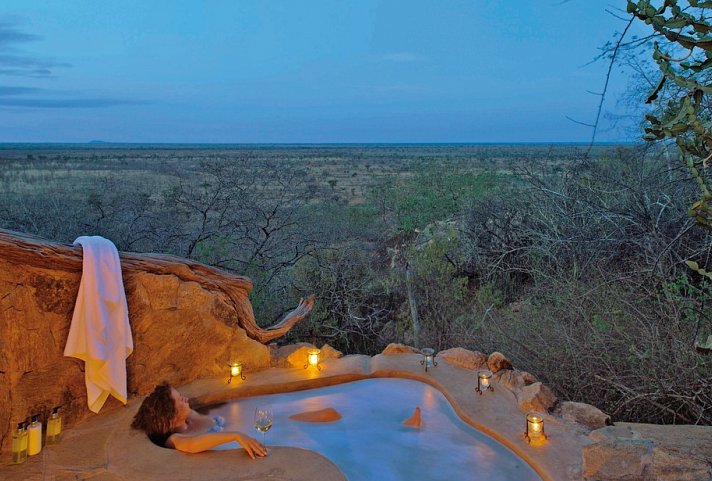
535,428
235,371
313,359
484,381
428,358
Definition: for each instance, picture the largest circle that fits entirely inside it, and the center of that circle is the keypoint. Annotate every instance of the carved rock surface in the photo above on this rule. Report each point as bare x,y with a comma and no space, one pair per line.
182,329
497,361
527,377
536,397
585,414
291,355
512,379
460,357
328,352
615,461
395,348
299,356
649,452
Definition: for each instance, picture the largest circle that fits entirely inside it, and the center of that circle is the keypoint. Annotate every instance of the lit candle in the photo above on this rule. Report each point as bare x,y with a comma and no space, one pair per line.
484,381
535,427
313,358
235,371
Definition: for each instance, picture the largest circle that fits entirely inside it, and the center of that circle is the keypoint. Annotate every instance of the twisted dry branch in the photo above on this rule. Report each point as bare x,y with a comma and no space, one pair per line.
28,250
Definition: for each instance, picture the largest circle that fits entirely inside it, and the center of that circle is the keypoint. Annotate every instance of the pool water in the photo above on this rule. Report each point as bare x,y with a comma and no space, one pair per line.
370,442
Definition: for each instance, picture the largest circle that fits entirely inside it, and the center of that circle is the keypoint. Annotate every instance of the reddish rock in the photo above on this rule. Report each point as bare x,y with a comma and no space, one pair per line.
497,361
585,414
509,378
291,355
186,321
649,452
457,356
527,377
615,461
536,397
395,348
328,352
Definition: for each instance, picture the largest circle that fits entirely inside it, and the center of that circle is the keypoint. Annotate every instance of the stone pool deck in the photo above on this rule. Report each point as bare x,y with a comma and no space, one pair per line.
104,448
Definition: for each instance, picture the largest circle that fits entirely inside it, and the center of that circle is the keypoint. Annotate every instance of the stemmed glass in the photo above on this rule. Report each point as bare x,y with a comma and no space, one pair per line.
263,422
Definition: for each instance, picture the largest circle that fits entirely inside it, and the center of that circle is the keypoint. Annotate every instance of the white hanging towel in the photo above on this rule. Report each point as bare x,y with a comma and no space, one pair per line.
100,333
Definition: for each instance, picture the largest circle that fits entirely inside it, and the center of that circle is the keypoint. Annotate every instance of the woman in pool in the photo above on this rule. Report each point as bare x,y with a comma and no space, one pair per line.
168,420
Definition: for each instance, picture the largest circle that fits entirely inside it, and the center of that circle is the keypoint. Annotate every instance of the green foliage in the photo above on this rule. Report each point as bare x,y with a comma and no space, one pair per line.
691,299
212,251
686,118
489,295
432,194
441,291
352,310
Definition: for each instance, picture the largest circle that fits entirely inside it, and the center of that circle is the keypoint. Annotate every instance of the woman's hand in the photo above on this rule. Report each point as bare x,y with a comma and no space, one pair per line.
251,445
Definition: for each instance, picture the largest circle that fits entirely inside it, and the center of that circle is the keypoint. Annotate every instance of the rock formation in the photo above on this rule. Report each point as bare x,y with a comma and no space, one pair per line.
536,397
395,348
642,452
460,357
584,414
188,321
497,362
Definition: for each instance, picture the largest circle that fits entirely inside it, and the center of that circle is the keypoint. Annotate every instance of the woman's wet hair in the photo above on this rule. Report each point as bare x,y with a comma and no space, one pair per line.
156,414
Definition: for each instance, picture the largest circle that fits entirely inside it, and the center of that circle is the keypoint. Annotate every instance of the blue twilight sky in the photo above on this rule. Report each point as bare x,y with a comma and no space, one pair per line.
304,70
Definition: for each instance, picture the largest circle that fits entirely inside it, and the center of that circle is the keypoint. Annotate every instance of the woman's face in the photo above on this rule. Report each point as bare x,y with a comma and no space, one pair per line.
182,407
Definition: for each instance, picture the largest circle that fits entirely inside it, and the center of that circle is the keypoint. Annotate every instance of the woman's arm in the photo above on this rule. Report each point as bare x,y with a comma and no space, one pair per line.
197,443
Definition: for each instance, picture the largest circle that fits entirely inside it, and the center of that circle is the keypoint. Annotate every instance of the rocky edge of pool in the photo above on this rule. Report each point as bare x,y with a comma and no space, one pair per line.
191,326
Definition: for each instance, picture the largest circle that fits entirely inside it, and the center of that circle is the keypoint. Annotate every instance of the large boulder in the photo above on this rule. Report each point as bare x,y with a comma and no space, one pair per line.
585,414
513,380
497,361
186,321
615,461
460,357
395,348
536,397
291,355
328,352
649,452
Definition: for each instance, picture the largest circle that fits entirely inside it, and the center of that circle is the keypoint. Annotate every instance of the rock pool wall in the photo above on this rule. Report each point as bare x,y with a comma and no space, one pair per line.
187,321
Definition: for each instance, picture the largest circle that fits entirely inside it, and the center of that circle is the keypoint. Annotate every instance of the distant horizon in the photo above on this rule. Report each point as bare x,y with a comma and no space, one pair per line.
104,143
314,73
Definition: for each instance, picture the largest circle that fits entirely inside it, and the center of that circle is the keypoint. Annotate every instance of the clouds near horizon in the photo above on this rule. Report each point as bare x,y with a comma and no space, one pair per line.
302,71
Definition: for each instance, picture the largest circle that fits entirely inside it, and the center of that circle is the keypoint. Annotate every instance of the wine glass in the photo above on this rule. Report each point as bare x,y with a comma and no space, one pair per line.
263,422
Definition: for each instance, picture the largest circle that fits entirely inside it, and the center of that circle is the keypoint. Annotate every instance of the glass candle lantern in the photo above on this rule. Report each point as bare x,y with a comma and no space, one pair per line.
535,428
313,359
235,371
428,358
484,381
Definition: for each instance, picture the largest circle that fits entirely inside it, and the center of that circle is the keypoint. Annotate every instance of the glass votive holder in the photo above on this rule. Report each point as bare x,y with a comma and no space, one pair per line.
235,371
484,381
428,358
313,359
535,428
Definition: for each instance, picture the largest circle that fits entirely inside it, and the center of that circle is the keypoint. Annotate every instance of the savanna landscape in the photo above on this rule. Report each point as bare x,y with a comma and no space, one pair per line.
569,259
499,182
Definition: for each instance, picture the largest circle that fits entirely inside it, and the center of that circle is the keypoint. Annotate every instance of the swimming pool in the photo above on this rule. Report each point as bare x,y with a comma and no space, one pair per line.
370,441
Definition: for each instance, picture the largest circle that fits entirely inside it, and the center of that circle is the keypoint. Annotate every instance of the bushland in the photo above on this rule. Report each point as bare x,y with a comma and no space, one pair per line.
572,265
